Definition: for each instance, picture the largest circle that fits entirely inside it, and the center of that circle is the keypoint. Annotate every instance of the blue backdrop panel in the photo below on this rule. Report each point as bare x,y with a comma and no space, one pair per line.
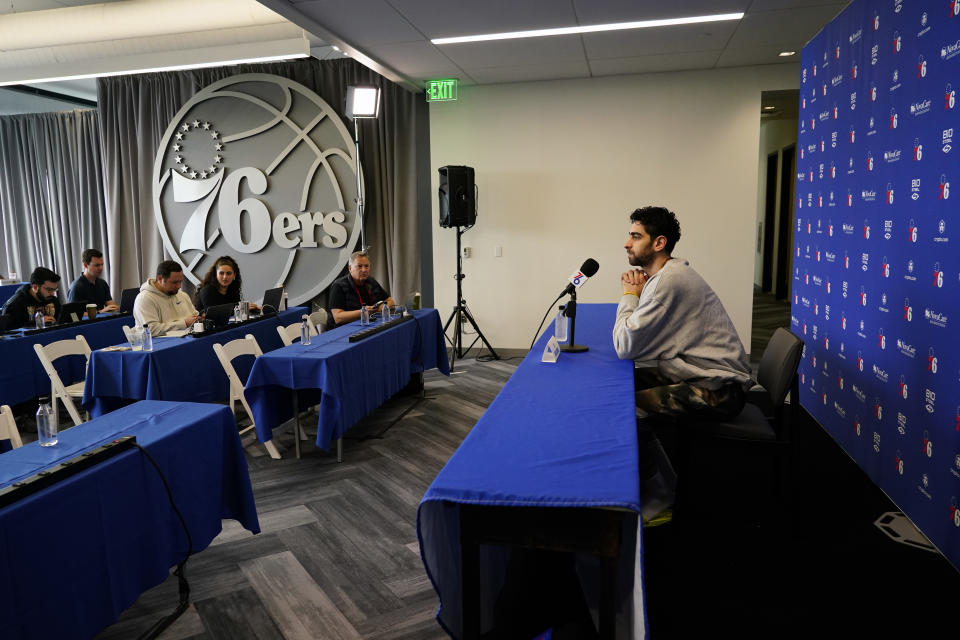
876,271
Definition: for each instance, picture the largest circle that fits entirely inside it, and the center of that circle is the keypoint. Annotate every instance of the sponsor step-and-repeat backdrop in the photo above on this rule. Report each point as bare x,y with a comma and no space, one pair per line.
876,277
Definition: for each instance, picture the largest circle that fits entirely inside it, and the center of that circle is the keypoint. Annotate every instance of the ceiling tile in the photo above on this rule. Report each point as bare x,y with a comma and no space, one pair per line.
789,27
640,42
773,5
529,51
448,18
654,63
360,22
745,56
411,58
607,11
531,72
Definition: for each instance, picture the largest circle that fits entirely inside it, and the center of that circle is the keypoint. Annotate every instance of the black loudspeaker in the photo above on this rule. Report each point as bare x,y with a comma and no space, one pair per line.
458,206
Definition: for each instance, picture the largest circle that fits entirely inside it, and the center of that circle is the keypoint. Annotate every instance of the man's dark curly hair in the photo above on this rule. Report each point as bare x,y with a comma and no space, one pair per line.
659,221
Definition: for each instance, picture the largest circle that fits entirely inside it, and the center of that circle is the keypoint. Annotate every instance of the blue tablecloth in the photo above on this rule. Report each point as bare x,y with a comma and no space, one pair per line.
184,369
557,435
7,290
22,376
75,555
354,378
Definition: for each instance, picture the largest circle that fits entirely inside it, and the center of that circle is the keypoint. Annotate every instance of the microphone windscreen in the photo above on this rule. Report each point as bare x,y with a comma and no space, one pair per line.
589,267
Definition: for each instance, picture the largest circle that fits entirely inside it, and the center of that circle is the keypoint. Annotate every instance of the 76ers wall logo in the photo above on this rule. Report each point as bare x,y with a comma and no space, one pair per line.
261,168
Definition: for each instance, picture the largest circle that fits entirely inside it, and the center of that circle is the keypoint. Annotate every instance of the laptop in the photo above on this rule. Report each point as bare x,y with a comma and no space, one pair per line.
219,314
127,297
272,299
71,312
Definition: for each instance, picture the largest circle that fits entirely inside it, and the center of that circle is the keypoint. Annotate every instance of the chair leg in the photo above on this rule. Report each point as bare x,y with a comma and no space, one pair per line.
72,410
272,449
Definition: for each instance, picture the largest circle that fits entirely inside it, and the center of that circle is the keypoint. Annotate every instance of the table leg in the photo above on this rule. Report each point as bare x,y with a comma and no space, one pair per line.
340,449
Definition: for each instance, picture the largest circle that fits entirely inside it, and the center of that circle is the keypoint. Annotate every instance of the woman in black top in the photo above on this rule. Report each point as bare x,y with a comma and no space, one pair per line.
221,285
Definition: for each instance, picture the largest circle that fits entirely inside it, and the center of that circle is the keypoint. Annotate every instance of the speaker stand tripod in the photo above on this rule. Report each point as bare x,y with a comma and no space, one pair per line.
460,315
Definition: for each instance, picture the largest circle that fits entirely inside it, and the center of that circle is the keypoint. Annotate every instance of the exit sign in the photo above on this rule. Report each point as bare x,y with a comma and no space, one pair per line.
442,90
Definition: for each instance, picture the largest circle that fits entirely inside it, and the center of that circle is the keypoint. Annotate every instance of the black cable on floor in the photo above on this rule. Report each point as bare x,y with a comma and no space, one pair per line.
180,571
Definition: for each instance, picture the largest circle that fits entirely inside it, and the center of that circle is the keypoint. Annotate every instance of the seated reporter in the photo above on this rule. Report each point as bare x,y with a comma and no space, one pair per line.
40,294
89,286
355,290
161,305
222,285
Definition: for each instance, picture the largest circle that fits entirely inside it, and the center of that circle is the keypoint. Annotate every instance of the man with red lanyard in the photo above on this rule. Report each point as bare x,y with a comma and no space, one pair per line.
356,290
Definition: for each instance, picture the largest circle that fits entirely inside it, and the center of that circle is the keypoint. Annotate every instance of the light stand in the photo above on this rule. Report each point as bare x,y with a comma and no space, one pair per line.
570,310
461,313
362,102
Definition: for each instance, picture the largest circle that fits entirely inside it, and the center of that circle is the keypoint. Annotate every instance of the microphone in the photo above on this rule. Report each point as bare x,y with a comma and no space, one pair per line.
587,270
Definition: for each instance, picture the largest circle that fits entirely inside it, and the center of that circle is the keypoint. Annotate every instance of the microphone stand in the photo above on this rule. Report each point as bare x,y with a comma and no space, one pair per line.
571,312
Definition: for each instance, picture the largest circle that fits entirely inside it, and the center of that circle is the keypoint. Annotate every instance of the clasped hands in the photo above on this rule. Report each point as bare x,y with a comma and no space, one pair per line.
633,281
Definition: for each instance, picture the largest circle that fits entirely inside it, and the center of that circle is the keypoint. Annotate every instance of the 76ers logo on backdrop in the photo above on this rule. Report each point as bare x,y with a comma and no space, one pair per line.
907,310
912,231
949,96
932,363
944,188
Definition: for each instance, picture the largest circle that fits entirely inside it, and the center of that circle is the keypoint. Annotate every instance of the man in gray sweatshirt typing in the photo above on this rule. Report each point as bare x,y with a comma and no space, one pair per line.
690,361
161,305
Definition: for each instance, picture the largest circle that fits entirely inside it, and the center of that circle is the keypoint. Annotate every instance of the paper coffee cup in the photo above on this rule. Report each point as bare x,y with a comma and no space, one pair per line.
91,311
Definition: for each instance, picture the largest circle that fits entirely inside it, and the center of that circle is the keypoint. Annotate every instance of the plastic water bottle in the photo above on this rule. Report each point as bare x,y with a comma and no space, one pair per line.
364,315
304,331
46,424
147,339
560,324
38,320
283,303
384,314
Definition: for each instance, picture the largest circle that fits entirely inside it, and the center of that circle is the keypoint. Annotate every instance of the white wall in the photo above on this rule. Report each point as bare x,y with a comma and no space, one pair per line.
561,164
775,135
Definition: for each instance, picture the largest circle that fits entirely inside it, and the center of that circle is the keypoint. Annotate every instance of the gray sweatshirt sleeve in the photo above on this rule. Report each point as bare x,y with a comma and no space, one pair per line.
637,332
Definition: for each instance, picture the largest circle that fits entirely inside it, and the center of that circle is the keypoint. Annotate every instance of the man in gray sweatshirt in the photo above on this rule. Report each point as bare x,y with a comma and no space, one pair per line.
690,361
161,305
672,321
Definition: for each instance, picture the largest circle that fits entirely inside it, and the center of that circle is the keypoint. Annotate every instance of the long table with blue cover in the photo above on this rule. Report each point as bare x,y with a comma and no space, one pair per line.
353,378
559,435
184,368
22,376
73,556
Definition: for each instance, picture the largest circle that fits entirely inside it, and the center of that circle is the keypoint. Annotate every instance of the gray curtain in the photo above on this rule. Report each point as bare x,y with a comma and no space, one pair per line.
135,111
51,198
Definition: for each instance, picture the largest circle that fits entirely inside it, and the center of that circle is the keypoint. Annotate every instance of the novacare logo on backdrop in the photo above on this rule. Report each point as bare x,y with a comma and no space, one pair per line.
261,168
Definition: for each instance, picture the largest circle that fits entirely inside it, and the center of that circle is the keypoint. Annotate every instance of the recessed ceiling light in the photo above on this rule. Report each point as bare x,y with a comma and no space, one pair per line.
787,54
616,26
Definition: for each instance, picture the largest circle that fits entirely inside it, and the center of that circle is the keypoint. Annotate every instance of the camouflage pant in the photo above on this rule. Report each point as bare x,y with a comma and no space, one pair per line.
656,395
663,404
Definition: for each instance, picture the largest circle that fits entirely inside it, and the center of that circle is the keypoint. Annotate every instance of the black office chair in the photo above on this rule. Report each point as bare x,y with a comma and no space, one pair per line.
764,425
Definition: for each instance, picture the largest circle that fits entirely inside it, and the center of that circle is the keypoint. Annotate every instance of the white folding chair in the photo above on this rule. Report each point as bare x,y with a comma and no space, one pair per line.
226,353
48,354
289,334
8,427
318,320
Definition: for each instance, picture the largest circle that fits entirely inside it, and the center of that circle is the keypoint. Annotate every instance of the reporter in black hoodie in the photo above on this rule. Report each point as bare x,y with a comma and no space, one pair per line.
39,294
